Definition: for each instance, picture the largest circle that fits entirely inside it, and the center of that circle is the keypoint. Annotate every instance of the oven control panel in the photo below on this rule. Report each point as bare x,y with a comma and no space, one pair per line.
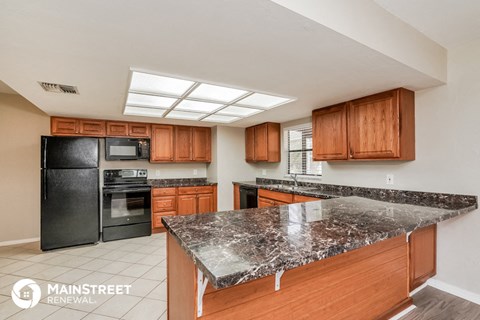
124,175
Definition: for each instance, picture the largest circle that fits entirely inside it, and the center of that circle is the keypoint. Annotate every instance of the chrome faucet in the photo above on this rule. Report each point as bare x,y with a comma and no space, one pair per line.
294,177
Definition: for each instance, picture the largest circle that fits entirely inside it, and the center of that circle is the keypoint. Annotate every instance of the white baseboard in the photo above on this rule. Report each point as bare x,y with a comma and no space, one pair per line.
418,289
456,291
20,241
404,312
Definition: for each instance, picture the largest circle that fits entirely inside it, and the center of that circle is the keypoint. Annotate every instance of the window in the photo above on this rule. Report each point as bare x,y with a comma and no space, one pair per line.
299,146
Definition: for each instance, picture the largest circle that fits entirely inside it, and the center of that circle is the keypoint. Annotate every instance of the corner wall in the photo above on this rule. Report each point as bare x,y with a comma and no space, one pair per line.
21,125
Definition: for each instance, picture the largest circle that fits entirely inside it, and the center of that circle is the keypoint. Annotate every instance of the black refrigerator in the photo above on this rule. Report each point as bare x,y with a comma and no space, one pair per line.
70,210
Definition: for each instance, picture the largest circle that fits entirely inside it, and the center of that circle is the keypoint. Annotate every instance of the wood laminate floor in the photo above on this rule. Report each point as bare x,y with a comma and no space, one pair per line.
432,303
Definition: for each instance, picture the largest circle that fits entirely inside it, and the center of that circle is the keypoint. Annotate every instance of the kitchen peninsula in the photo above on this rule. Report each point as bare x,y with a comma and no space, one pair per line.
328,259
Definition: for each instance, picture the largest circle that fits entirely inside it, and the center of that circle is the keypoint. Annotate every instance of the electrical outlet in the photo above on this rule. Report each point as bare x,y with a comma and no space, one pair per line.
389,178
157,173
264,172
195,172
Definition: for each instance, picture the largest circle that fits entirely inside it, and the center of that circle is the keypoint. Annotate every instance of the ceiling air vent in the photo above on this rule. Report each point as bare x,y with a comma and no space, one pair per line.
58,88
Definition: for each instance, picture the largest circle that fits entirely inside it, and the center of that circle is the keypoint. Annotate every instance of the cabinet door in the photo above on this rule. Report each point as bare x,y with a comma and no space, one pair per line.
157,218
374,131
250,144
187,204
260,142
161,204
201,144
117,129
423,255
139,130
205,203
64,126
329,133
262,202
92,128
162,143
183,143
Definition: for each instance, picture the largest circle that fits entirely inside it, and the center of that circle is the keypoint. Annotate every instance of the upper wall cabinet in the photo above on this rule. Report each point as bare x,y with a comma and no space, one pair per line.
377,127
262,143
71,127
128,129
180,144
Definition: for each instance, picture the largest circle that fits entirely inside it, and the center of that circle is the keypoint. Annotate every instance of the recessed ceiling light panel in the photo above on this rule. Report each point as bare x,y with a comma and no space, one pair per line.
174,114
197,106
152,95
239,111
220,118
150,83
144,112
263,101
216,93
149,101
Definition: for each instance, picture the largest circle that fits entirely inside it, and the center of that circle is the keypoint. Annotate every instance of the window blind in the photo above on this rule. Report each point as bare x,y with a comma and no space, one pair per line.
299,148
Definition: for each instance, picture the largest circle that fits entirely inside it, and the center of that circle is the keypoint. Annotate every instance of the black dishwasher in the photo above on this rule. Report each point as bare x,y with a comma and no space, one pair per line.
248,197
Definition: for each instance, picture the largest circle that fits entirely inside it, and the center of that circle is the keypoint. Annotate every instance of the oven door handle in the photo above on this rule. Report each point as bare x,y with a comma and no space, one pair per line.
112,191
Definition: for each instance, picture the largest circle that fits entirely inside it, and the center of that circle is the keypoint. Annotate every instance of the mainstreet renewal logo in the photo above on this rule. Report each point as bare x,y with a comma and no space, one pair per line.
26,293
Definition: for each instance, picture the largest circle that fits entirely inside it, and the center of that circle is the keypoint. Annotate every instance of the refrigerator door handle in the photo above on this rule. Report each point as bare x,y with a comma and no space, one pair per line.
44,184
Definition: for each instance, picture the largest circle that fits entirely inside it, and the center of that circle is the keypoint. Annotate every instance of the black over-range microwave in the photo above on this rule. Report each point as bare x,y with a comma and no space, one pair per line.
127,149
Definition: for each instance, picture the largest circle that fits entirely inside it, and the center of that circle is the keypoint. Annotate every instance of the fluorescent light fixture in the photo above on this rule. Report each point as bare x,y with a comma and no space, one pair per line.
216,93
220,118
198,106
144,112
239,111
150,83
149,101
153,95
184,115
263,101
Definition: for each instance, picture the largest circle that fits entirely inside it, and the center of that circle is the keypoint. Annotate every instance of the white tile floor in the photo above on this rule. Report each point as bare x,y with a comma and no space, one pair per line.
140,262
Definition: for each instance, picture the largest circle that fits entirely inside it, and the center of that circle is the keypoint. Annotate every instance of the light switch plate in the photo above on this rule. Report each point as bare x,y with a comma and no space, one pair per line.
195,172
390,178
157,173
264,172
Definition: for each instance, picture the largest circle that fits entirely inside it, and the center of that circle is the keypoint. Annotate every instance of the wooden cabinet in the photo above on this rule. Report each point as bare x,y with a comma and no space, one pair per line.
192,144
297,198
161,144
183,144
267,198
201,144
236,197
139,130
128,129
117,129
329,127
64,126
262,143
423,255
181,200
377,127
187,204
197,199
250,144
95,128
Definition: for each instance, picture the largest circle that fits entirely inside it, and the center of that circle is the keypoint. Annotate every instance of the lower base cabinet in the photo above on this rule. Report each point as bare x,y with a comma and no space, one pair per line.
267,198
422,248
180,201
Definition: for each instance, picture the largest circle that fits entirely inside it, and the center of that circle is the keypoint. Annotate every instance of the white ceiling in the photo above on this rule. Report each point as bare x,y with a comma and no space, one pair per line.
448,22
249,44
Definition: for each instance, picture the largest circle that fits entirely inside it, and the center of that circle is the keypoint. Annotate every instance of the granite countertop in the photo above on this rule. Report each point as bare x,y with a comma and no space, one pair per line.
182,182
233,247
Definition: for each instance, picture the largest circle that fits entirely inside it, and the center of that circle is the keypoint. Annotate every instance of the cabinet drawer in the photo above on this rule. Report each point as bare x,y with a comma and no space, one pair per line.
161,204
157,218
195,190
297,198
157,192
280,196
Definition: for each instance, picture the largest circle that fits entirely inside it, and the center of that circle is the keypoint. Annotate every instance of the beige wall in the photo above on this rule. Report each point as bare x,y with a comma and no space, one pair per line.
21,125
